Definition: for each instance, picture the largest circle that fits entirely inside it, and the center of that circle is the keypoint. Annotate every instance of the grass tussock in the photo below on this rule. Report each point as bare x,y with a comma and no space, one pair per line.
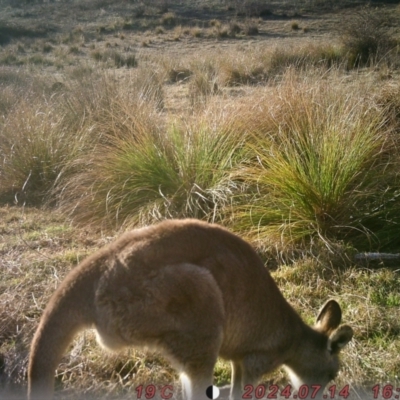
257,66
41,140
35,145
250,28
325,166
115,58
323,162
15,84
203,84
145,175
169,19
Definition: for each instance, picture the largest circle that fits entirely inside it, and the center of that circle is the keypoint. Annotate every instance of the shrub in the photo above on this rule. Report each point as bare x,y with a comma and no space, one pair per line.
366,36
295,26
138,169
250,28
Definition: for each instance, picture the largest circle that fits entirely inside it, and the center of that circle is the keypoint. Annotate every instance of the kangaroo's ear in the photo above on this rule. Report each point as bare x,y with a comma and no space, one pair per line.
339,338
329,317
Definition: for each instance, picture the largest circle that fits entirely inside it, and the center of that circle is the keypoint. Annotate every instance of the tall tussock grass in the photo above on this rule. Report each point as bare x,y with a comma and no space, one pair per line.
145,175
43,137
324,166
36,143
312,158
254,66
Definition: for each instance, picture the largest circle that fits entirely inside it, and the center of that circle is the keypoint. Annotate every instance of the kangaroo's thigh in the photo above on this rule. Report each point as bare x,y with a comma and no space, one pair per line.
173,301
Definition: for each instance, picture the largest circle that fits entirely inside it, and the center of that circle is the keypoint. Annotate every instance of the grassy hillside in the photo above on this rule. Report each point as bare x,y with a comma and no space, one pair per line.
279,121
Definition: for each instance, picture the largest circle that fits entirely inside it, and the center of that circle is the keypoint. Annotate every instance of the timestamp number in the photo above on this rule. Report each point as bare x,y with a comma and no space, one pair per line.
149,391
386,392
304,392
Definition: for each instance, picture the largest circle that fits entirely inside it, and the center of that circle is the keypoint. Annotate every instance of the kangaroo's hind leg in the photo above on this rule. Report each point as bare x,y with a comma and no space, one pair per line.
236,381
178,310
196,365
196,306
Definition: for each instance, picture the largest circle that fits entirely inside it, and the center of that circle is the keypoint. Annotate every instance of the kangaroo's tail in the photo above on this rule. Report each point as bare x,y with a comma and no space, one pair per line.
70,310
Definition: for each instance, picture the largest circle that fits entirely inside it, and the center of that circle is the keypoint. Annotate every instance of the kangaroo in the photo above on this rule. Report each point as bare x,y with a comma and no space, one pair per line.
193,291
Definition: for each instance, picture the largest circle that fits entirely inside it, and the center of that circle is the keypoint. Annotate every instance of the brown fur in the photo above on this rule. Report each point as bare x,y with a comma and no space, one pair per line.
193,291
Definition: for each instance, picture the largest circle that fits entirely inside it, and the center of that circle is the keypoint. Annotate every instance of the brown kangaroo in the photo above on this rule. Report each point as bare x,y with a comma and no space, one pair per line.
193,291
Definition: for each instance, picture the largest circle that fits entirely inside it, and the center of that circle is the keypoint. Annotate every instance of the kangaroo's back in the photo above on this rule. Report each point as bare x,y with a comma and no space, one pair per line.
193,291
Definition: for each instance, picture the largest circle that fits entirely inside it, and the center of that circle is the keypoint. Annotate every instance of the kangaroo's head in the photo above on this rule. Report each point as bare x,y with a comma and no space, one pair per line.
317,361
